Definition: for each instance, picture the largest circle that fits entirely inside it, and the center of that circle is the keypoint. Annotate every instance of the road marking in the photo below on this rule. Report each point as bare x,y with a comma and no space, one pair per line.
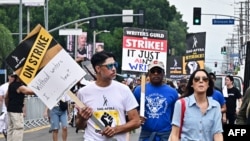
31,130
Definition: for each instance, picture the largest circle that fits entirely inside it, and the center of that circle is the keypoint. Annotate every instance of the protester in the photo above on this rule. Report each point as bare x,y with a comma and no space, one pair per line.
170,83
201,119
3,91
232,96
14,101
213,77
138,81
74,109
159,104
108,101
59,116
243,117
130,83
218,96
182,86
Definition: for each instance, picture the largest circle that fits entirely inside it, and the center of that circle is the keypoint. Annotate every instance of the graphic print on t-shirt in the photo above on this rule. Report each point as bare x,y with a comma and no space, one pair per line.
156,104
108,115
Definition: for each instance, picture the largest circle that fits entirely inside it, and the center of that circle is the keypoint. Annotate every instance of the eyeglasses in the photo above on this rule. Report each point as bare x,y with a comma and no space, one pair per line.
110,66
203,78
156,70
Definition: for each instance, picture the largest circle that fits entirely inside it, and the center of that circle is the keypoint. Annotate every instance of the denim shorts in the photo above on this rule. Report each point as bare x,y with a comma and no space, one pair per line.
57,118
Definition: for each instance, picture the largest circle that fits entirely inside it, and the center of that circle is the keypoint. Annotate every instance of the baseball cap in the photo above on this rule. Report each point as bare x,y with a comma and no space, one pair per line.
129,81
156,63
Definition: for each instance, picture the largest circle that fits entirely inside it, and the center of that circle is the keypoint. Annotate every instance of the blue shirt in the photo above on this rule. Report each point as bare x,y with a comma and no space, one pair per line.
218,96
159,106
198,126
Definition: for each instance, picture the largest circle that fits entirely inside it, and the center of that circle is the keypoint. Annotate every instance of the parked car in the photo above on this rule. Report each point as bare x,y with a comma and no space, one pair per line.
238,82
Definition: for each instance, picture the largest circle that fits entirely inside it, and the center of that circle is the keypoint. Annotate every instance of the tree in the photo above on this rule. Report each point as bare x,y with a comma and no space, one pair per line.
6,44
158,15
177,36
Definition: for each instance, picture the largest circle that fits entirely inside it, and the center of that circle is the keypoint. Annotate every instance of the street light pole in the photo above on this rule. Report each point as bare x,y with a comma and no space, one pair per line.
94,38
76,26
90,18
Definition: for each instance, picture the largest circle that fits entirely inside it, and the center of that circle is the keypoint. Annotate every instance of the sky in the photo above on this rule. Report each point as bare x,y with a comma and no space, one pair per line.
216,35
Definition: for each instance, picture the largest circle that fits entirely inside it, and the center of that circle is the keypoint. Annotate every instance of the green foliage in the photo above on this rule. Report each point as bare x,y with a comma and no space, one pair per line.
176,36
159,15
6,44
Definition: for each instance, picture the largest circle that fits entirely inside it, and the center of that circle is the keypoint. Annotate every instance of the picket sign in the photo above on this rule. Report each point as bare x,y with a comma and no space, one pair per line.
142,99
45,67
140,46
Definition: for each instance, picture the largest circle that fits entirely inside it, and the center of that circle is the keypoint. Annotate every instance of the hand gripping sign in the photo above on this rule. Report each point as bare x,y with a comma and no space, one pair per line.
45,67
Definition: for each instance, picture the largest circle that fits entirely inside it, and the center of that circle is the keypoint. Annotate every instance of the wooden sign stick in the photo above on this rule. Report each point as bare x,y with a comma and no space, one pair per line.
142,99
81,105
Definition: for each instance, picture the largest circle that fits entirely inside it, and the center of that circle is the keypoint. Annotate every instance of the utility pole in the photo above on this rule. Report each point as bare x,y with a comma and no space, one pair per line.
247,18
46,14
241,26
20,21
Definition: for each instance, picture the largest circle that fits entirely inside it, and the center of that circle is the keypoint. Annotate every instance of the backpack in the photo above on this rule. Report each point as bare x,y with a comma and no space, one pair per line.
63,105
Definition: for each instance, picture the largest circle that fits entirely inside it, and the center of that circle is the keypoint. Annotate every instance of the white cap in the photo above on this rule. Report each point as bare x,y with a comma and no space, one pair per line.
156,63
129,81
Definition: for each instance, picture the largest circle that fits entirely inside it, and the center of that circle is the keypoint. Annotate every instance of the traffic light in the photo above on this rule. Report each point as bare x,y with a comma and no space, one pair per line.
215,64
223,50
197,16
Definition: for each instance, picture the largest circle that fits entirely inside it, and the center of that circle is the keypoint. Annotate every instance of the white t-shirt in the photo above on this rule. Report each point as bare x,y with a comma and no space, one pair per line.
109,105
3,91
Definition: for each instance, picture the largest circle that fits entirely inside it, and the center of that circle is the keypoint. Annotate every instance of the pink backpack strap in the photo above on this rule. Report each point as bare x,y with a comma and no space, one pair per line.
183,108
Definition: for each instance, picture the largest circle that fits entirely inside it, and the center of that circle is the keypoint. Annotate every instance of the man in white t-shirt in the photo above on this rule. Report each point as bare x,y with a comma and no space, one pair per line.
108,101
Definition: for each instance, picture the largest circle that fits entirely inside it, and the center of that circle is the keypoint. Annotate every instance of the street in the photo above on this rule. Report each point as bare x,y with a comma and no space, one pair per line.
42,134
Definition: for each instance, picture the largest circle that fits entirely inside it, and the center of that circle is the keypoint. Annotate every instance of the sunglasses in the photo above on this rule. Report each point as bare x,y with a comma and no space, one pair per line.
203,78
110,66
156,70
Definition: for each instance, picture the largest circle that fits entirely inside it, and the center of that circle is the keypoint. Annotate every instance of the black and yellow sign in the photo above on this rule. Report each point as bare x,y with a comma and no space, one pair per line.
35,56
33,53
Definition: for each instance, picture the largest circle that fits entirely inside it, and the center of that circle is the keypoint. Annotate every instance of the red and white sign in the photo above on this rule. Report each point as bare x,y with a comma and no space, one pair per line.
141,46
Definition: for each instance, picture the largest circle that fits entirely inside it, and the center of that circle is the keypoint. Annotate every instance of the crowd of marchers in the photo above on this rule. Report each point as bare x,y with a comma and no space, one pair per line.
193,110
